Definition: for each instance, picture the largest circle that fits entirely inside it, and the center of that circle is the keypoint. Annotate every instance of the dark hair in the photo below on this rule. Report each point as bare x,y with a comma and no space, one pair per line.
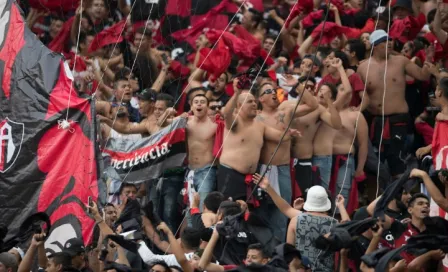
360,18
443,85
270,36
431,15
83,37
343,57
259,247
304,79
333,89
122,74
124,185
213,200
169,100
201,95
358,47
175,267
256,16
324,51
192,90
161,263
146,32
414,198
191,238
61,258
228,208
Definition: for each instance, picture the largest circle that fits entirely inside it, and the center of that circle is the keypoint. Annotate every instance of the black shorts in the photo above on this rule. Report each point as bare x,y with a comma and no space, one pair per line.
393,147
304,175
231,183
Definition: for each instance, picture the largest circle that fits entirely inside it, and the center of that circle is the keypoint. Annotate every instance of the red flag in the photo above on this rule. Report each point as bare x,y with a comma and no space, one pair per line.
218,59
305,6
60,42
236,45
309,19
56,166
112,35
330,31
440,145
405,29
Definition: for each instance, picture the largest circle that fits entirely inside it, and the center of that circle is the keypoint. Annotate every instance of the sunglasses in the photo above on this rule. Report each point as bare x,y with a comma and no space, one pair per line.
268,91
309,86
214,108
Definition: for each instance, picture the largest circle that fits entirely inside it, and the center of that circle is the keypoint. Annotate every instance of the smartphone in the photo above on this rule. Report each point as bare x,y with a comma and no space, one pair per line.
90,201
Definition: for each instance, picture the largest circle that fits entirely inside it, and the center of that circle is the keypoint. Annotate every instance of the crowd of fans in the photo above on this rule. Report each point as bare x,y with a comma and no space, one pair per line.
323,114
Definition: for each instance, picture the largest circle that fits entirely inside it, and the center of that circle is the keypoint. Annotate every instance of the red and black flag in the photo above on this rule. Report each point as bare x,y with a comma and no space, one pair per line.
196,14
145,159
43,168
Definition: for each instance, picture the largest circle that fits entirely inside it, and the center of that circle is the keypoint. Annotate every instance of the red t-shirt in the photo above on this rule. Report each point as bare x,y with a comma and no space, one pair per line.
355,81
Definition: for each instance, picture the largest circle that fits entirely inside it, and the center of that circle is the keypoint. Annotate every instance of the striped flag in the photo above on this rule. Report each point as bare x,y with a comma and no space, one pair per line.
138,161
440,161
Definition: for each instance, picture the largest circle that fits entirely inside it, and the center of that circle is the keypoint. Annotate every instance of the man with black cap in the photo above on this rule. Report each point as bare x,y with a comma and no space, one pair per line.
388,85
76,249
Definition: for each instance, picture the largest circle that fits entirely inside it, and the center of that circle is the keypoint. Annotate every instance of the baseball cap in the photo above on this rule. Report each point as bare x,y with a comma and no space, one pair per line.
378,36
148,95
74,246
9,261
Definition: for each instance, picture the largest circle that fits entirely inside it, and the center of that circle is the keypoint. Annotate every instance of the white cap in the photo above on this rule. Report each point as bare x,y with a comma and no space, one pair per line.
378,36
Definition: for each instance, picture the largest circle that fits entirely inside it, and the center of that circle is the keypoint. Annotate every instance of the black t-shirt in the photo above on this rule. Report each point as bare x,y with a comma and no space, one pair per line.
234,251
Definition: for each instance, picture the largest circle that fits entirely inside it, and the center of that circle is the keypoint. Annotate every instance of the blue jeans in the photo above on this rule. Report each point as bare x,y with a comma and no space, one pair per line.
164,193
346,185
204,181
276,220
324,164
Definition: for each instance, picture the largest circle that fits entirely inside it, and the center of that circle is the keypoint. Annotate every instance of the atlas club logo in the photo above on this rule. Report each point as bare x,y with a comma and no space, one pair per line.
11,139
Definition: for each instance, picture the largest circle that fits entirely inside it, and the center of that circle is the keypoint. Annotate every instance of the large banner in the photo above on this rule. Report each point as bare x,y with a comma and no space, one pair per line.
147,158
43,167
440,160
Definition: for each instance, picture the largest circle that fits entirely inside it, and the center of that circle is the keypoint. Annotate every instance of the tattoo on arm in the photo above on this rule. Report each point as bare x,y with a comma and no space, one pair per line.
281,118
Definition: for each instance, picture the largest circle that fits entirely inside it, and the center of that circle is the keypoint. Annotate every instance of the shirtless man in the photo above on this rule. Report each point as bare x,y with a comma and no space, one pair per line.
394,108
148,125
278,116
303,148
353,123
201,132
243,140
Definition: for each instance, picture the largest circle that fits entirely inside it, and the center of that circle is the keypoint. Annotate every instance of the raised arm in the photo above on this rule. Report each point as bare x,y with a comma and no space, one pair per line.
415,71
228,111
176,248
434,192
331,116
160,80
129,128
281,203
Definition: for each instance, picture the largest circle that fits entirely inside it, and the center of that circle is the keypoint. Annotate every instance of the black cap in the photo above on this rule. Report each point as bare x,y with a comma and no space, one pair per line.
148,95
74,246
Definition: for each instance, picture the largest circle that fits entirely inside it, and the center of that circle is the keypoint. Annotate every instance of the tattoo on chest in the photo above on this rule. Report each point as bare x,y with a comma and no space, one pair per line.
260,118
281,118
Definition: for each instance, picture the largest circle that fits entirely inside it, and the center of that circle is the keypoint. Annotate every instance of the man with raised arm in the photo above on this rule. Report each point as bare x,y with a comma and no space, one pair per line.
201,131
278,116
244,138
386,90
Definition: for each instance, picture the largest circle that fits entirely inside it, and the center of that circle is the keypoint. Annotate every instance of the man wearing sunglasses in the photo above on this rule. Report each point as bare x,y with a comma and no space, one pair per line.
277,116
244,139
